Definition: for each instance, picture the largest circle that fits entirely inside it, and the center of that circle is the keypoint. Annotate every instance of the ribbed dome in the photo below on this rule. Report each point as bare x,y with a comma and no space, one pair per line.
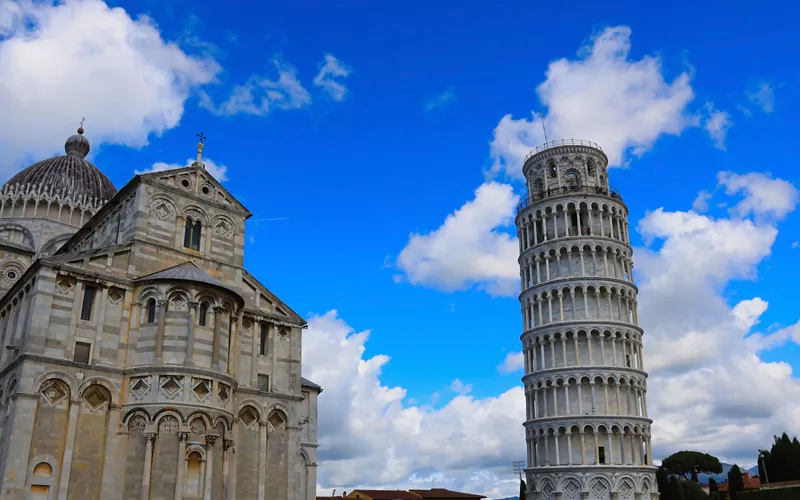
69,175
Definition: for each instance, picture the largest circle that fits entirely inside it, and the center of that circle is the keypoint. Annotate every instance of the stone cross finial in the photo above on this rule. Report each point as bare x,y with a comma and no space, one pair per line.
200,146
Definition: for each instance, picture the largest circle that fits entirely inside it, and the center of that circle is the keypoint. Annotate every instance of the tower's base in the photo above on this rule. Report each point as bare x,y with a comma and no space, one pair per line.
592,482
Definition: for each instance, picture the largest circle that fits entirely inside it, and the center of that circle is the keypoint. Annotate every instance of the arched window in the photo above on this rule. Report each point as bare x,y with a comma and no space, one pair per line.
191,234
194,471
590,168
151,310
203,313
551,169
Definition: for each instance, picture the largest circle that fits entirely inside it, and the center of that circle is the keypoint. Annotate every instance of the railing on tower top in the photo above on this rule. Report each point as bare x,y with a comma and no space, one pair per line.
613,193
562,142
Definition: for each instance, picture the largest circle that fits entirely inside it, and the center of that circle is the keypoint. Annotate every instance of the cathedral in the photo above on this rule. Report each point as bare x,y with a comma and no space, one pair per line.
140,359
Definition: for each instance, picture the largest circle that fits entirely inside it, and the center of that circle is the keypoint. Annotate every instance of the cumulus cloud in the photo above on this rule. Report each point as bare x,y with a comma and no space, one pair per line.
82,58
604,96
219,171
468,249
439,100
761,194
699,348
371,435
331,72
512,363
260,95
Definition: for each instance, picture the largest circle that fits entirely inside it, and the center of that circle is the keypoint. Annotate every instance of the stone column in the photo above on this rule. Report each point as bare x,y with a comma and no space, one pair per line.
162,320
262,461
113,469
133,332
233,341
100,319
21,416
66,463
180,479
148,465
189,357
583,449
234,462
210,440
217,339
569,447
227,451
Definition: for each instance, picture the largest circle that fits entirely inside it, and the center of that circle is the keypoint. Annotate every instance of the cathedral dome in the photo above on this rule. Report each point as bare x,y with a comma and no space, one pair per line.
68,176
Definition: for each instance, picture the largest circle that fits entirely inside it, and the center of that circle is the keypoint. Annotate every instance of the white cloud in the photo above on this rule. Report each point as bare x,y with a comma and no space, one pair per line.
460,387
708,389
762,195
622,104
763,97
371,435
700,203
439,100
717,123
82,58
468,249
331,71
260,95
513,362
219,171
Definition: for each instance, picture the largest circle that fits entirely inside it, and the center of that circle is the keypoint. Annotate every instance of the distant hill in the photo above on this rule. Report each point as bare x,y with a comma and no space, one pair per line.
509,498
721,478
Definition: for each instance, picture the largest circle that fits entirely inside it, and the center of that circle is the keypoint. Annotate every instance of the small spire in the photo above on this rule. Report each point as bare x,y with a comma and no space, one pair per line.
200,147
80,128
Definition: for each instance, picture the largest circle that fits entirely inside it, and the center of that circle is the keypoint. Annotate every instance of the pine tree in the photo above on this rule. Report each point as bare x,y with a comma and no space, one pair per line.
735,482
712,485
676,489
522,490
662,480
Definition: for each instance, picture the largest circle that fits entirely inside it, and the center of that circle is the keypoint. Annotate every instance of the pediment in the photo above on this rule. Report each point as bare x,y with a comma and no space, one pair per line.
197,182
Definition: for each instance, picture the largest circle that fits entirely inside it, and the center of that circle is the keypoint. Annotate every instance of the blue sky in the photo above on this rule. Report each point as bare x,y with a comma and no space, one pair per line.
404,137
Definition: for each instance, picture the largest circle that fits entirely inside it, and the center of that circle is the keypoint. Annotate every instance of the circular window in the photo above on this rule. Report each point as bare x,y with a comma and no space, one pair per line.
206,190
12,275
185,183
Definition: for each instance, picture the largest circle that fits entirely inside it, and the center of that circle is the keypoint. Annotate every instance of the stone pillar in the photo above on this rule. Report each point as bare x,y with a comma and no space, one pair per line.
234,462
66,464
233,341
262,461
21,416
227,451
100,319
210,440
133,332
148,465
180,479
162,320
217,339
569,447
113,466
189,357
77,299
583,449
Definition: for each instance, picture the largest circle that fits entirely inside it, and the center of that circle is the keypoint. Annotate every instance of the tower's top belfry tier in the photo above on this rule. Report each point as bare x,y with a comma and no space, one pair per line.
566,166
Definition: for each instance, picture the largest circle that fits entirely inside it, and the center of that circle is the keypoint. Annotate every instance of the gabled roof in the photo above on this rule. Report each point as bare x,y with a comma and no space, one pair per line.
292,317
445,494
187,271
232,201
304,382
383,494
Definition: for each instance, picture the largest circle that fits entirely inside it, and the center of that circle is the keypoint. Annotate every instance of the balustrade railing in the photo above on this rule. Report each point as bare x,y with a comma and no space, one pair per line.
611,192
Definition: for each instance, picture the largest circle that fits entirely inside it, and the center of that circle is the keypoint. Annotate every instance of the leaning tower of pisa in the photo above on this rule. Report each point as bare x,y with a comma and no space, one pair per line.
587,429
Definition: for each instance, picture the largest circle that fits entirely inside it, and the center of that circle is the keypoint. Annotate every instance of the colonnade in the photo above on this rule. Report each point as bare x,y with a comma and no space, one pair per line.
609,303
571,349
589,396
555,222
592,261
589,446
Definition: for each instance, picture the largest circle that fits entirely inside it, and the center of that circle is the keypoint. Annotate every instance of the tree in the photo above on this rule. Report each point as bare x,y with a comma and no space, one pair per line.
675,491
522,490
781,462
735,482
662,480
693,491
690,463
712,485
